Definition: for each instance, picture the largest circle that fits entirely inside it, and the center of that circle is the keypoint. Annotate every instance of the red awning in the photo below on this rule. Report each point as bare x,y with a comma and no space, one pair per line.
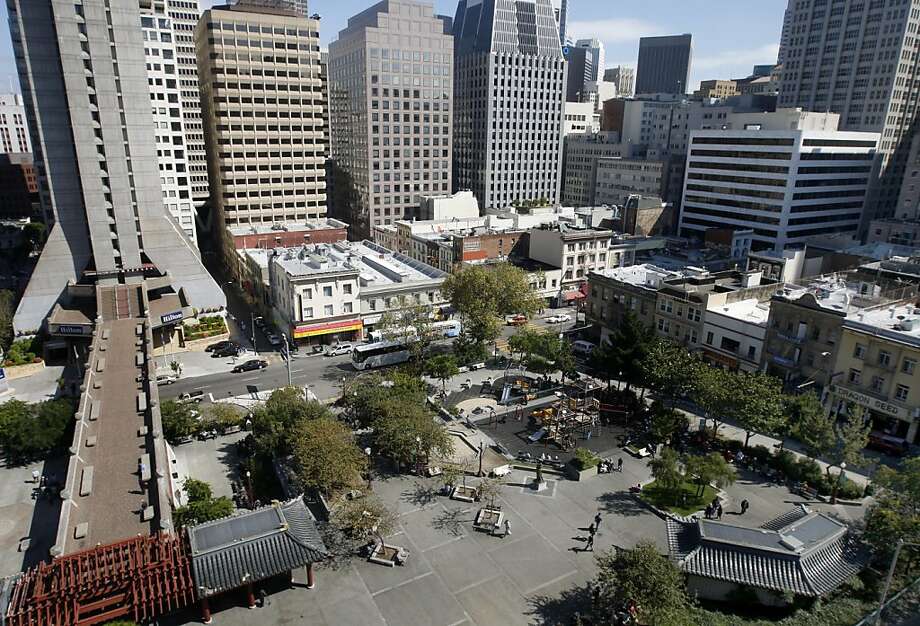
568,296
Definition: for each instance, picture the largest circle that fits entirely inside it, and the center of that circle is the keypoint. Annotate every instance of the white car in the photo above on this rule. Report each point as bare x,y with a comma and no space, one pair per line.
275,340
339,349
166,379
558,319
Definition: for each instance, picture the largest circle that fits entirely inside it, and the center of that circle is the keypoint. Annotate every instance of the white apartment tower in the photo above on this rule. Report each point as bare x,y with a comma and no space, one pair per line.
168,122
264,110
786,185
857,58
509,92
14,136
391,108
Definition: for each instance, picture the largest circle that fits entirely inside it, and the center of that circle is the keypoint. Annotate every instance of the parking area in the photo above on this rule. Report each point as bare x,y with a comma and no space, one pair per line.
28,514
214,461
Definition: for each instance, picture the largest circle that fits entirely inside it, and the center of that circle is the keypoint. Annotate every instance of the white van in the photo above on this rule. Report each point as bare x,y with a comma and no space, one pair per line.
583,349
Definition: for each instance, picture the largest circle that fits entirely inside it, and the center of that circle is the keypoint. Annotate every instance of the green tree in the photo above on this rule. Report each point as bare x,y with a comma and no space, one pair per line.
197,490
758,404
365,395
442,367
411,319
666,470
811,424
852,435
407,433
708,469
273,422
665,422
895,514
7,309
222,416
31,430
713,393
202,505
325,455
668,369
645,577
524,343
178,420
484,295
365,517
625,351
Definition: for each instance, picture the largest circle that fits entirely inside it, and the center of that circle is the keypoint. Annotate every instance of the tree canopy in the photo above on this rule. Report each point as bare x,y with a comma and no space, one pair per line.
811,424
202,505
442,367
669,369
666,469
273,422
710,469
365,396
178,420
623,355
325,454
29,431
404,431
895,514
757,403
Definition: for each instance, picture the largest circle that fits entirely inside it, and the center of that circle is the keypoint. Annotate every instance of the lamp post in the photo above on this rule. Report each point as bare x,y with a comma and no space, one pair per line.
249,489
480,458
287,359
843,466
418,455
370,467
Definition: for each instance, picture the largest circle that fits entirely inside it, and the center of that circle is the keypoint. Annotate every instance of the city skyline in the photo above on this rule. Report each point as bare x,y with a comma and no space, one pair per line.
745,34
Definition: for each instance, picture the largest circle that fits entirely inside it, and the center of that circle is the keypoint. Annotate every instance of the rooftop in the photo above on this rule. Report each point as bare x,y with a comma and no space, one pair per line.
644,275
375,265
292,226
844,293
750,311
900,321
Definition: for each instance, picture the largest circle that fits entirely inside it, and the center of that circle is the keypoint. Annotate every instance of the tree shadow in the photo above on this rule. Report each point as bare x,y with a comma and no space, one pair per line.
342,548
560,609
452,520
420,494
621,503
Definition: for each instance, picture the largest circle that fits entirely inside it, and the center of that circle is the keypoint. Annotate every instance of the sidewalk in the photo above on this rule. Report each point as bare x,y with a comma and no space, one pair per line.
195,364
36,388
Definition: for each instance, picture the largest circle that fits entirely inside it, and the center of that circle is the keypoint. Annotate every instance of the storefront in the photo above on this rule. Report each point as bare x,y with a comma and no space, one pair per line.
327,333
886,417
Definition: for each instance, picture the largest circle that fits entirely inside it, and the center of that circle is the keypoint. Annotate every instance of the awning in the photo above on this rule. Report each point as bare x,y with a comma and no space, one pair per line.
569,296
325,329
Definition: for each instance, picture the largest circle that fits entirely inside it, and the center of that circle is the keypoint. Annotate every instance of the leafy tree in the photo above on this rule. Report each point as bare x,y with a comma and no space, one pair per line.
202,506
178,420
852,435
223,416
416,317
197,489
758,404
811,424
326,456
442,367
642,576
273,422
666,422
31,430
669,369
623,354
365,395
406,431
710,469
484,295
895,514
365,517
713,393
524,343
7,309
666,470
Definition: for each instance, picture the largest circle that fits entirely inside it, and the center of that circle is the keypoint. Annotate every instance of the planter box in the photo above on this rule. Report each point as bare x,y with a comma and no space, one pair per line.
388,555
488,519
21,371
573,473
464,494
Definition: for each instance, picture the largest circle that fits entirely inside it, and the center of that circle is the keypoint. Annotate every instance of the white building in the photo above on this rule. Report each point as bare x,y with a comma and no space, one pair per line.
14,133
786,185
461,205
167,104
579,118
733,333
329,292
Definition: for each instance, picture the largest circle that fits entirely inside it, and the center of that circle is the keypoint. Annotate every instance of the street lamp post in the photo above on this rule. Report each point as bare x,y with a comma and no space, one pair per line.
480,457
249,489
418,455
287,359
370,467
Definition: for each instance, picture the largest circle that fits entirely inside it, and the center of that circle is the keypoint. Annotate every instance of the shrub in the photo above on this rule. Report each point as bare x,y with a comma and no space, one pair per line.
760,453
784,462
850,491
585,459
808,471
22,352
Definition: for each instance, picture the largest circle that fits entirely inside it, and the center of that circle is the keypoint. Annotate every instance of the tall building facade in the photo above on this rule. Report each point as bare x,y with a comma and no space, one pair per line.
391,108
786,185
664,64
579,70
509,92
624,78
858,59
168,121
561,13
84,81
264,115
14,133
299,6
595,52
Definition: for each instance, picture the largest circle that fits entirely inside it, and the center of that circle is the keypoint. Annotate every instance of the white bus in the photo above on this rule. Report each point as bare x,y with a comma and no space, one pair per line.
380,353
447,329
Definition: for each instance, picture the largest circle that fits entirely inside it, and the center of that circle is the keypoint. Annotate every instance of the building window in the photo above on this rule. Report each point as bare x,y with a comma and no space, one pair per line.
901,393
908,366
308,312
346,288
327,310
878,383
709,338
859,352
752,352
884,358
855,376
346,308
327,291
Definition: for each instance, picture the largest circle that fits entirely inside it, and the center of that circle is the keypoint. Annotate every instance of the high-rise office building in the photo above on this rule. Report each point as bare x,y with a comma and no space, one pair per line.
84,81
300,6
184,16
858,59
509,92
391,109
561,13
168,122
579,70
664,64
595,52
14,135
264,111
624,78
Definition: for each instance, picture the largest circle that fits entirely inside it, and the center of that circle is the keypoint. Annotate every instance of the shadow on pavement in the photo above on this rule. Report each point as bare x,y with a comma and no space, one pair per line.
621,503
562,608
45,515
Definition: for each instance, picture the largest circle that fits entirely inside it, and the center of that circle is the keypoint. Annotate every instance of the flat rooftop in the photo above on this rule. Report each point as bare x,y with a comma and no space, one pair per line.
644,275
750,311
377,266
289,226
899,321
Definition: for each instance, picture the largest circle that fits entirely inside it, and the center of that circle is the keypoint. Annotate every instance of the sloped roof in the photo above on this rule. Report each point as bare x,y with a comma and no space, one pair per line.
229,552
800,551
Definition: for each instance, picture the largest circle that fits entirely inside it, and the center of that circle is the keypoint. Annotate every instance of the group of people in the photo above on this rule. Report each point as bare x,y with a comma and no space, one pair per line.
714,509
606,466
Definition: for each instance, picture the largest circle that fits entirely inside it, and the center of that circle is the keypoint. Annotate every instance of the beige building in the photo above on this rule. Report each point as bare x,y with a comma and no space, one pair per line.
391,93
619,178
264,115
717,89
877,370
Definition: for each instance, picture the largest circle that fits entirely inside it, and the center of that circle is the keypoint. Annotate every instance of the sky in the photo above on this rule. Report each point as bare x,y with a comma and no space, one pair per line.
729,36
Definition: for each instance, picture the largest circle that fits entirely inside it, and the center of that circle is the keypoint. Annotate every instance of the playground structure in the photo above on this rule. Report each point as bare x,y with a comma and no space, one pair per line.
574,414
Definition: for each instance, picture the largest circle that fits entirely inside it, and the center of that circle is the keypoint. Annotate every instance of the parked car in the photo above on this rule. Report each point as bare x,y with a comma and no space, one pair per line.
250,365
559,319
583,349
260,322
231,350
192,396
516,320
340,348
166,379
220,345
889,444
274,339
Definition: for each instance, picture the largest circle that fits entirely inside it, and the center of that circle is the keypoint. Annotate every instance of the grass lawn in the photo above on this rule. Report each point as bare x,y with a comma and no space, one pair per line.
686,497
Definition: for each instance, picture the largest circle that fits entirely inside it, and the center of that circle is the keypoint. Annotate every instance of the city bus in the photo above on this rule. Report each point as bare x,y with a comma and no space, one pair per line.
447,329
380,354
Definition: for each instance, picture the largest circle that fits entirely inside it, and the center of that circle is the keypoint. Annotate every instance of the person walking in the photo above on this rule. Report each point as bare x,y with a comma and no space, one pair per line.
620,464
507,528
590,544
597,520
719,511
263,598
708,511
745,505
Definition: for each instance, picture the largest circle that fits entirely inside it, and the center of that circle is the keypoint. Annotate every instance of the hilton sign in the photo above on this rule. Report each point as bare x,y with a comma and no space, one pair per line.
871,403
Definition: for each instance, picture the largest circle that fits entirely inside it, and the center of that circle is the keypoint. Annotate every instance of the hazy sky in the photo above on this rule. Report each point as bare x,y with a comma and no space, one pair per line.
729,36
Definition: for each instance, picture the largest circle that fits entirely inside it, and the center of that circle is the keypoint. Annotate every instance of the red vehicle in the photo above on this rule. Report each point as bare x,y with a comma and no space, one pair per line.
516,320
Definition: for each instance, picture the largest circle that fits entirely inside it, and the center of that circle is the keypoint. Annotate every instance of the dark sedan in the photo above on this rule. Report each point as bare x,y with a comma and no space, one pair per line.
248,366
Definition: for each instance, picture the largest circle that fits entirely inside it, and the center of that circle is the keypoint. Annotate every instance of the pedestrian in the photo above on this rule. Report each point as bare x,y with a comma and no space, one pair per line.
592,530
590,544
708,511
620,464
597,520
263,598
35,475
507,528
719,512
745,505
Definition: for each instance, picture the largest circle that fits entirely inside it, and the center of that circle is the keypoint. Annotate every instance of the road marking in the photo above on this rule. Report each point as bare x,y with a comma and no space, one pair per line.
405,582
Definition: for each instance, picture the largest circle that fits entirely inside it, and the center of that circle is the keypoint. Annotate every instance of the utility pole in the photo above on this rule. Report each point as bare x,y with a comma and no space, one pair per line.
252,329
287,358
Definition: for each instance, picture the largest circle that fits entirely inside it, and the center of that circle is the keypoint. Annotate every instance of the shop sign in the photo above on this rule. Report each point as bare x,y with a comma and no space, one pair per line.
314,330
869,402
174,316
69,329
